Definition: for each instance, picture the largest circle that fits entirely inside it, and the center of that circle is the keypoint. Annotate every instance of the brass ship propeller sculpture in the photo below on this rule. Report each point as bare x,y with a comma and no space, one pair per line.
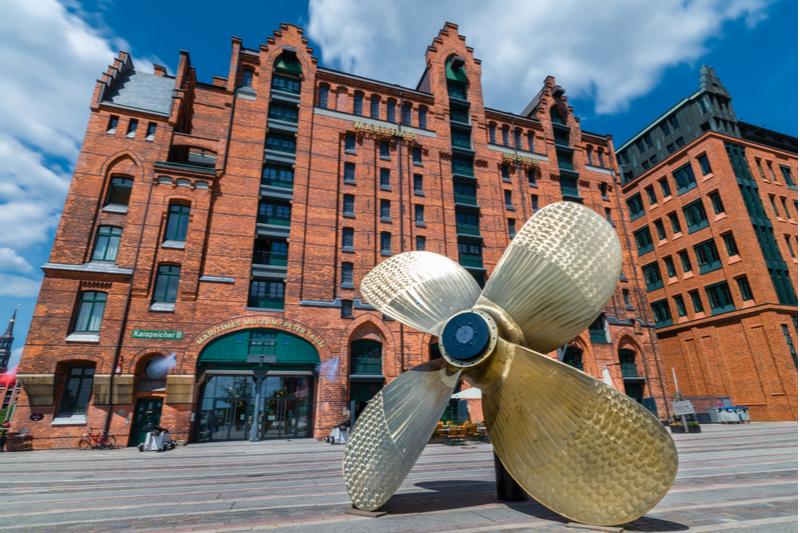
578,446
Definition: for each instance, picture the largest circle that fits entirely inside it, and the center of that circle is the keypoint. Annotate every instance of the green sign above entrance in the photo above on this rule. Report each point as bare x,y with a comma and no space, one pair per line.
148,334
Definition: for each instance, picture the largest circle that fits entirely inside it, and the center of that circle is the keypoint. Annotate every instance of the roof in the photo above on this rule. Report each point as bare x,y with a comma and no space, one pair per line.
147,92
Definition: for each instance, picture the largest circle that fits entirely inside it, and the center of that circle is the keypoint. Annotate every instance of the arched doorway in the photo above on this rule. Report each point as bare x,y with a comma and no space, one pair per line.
227,398
366,373
634,385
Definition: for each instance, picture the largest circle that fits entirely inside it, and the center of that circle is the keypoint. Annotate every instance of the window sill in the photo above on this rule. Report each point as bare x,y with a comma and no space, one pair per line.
652,206
510,208
667,198
351,152
672,280
734,259
420,224
349,215
418,163
178,245
165,307
386,219
348,249
348,286
384,252
533,185
385,158
506,180
349,182
419,193
720,216
662,242
83,337
677,236
748,303
606,198
707,177
264,309
114,208
386,188
74,420
688,275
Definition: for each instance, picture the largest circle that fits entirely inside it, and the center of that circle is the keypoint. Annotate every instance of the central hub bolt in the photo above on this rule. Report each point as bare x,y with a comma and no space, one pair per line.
465,336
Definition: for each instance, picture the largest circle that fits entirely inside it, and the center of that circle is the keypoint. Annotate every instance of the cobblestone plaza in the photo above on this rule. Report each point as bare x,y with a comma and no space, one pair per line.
737,477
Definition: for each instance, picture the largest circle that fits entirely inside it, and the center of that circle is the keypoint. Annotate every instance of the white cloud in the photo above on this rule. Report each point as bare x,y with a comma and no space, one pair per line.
11,262
18,287
613,51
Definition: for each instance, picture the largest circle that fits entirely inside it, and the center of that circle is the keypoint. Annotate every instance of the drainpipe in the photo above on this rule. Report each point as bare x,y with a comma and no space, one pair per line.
402,234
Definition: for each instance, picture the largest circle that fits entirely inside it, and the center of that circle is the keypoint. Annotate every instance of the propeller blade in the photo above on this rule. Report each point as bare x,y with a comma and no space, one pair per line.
420,289
557,274
578,446
392,431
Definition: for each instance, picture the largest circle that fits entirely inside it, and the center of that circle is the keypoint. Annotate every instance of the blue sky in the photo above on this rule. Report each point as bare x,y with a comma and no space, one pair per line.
622,63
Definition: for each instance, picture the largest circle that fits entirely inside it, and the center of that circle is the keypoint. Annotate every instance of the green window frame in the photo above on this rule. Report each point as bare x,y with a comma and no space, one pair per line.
470,254
680,305
644,242
787,176
697,302
705,166
652,277
789,342
661,313
660,231
696,218
277,176
281,143
366,357
106,243
716,202
285,84
635,206
789,239
275,214
119,191
670,264
262,344
91,307
597,330
707,256
266,294
719,298
463,166
675,221
166,290
77,391
283,113
665,189
684,178
177,223
730,244
744,288
651,195
465,193
685,261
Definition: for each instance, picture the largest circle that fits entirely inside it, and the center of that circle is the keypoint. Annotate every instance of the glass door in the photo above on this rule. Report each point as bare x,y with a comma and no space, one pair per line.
271,424
289,417
239,423
222,419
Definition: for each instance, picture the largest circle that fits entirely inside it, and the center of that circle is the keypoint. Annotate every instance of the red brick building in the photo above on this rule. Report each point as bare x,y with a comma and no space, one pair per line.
230,223
713,209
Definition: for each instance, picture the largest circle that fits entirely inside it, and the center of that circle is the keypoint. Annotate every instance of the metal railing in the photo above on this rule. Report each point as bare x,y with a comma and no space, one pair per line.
270,258
629,370
468,229
265,302
466,199
470,261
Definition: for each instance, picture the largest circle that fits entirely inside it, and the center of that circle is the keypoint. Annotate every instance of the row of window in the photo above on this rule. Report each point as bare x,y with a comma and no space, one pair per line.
376,105
133,126
785,171
718,296
505,135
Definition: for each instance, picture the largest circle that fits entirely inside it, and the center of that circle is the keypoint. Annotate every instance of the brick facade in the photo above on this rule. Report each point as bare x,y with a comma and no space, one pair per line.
226,123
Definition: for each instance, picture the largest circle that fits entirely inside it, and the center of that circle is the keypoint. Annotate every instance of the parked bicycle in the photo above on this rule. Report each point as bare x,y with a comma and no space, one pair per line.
101,440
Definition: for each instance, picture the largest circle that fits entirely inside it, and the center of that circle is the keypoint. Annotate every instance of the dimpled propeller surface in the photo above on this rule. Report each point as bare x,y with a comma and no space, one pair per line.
557,274
392,431
578,446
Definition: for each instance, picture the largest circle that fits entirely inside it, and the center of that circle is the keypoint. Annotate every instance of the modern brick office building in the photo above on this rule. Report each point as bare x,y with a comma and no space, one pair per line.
230,223
713,207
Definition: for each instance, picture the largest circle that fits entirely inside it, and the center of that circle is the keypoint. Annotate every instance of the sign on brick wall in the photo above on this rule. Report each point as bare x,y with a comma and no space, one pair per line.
151,334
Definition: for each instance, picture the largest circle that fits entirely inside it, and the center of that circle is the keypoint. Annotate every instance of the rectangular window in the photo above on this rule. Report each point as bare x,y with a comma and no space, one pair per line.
685,261
90,311
463,166
492,134
788,337
705,166
286,84
247,78
652,277
665,128
132,126
390,112
106,243
423,118
167,283
626,157
646,165
323,97
696,218
358,104
113,122
730,244
119,192
635,206
418,184
651,195
177,223
350,143
535,203
266,294
507,197
77,391
518,139
416,155
716,201
512,228
348,205
680,142
671,148
151,132
505,136
660,231
467,223
684,178
676,223
744,288
420,243
665,190
281,143
626,297
386,243
347,308
697,303
648,140
653,160
277,176
470,255
760,168
386,179
771,172
680,305
530,141
674,121
347,275
350,172
644,242
276,214
283,113
670,267
384,150
406,115
532,177
460,139
603,191
719,298
789,240
661,313
640,146
703,108
787,176
785,209
419,215
347,239
375,107
386,211
608,216
707,256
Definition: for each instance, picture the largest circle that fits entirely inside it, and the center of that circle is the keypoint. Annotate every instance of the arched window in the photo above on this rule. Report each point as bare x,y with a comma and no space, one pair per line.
406,114
518,139
556,117
366,357
423,117
492,133
391,111
589,153
287,73
358,104
177,223
627,359
573,357
456,77
375,107
106,243
600,159
247,78
322,97
505,136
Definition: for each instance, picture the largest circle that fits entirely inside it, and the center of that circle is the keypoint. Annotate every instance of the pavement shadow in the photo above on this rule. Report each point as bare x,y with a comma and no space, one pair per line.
647,523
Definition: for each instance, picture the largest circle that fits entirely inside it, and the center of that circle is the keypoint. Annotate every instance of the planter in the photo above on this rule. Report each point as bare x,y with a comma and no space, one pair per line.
680,429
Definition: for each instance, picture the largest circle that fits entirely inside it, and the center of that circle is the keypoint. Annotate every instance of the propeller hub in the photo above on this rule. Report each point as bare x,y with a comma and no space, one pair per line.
467,337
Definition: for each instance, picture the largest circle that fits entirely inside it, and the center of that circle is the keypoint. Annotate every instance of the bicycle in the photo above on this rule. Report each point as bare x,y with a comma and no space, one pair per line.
103,440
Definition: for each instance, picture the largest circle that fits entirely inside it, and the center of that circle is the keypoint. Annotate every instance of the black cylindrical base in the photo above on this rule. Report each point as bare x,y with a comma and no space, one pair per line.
508,490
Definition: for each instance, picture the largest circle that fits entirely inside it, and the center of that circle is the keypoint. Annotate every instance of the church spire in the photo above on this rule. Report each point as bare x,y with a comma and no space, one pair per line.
5,343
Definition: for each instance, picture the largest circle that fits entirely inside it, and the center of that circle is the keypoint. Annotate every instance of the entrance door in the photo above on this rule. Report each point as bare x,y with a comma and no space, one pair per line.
222,419
148,411
280,418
